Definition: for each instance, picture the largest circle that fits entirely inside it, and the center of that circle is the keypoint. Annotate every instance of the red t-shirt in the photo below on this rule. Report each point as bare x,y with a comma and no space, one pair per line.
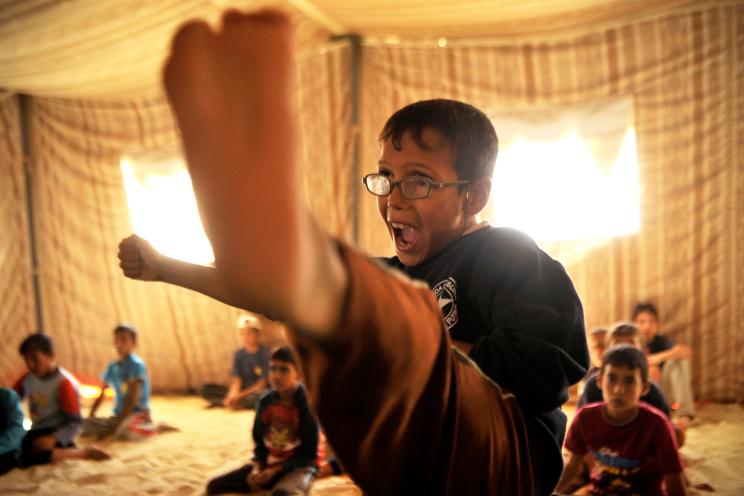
630,459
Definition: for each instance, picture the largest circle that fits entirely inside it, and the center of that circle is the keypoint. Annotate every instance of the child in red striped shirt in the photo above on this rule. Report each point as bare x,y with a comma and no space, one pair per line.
54,406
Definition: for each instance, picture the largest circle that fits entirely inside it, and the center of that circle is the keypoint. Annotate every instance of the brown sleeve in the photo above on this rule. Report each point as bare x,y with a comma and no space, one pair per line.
403,412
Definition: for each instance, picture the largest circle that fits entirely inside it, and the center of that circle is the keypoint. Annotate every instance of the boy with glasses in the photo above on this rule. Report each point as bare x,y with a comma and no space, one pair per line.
375,347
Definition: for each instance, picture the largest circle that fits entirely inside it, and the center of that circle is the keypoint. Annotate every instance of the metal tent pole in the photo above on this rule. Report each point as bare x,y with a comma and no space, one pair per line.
24,102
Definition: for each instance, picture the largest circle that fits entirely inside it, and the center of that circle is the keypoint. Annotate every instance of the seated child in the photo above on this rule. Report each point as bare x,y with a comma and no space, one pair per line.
285,436
633,443
128,377
403,410
596,342
248,374
11,429
623,334
597,346
54,406
669,363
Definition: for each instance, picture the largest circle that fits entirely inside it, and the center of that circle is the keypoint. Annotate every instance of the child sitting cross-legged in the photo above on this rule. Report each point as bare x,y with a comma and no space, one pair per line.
285,434
128,377
54,406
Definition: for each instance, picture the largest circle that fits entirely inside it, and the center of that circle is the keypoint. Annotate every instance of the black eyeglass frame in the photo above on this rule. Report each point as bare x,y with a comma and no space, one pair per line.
393,184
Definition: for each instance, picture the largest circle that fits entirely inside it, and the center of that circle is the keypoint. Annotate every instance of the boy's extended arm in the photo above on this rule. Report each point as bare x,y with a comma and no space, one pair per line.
230,91
308,452
139,260
134,388
97,402
570,472
536,343
676,352
256,386
675,485
69,409
232,390
260,452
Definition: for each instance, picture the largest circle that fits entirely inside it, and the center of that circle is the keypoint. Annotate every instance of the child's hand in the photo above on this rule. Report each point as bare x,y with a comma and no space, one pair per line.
259,479
654,373
138,259
252,480
43,443
230,401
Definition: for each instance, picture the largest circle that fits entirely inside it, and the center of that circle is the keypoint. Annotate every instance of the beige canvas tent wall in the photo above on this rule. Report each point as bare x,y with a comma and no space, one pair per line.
90,70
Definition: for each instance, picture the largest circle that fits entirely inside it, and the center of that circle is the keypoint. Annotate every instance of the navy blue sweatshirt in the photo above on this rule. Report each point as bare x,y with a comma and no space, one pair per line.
519,310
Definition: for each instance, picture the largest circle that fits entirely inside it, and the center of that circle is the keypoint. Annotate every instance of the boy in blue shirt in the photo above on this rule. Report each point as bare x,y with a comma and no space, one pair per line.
128,377
285,437
375,346
248,373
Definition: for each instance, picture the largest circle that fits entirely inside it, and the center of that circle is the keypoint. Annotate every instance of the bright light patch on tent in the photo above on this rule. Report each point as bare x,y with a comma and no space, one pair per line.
162,205
573,178
88,391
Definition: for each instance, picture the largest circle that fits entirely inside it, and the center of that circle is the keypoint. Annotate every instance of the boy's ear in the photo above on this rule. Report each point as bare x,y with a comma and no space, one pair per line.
646,387
477,195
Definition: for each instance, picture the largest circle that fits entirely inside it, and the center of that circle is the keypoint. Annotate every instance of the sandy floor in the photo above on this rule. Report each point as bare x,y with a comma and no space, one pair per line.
715,448
211,442
214,441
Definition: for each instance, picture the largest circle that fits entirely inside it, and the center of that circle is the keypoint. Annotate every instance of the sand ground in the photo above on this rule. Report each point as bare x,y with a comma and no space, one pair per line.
213,441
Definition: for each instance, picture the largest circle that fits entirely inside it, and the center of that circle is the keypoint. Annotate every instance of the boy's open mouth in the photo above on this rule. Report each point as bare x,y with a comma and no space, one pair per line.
406,237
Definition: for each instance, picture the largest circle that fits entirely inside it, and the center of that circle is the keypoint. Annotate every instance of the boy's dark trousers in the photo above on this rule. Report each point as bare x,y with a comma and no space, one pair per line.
29,457
236,481
215,393
8,461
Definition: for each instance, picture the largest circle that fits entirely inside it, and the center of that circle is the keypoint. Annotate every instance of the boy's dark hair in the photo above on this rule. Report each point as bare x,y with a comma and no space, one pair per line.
37,342
284,354
127,328
597,331
627,355
468,131
644,307
623,330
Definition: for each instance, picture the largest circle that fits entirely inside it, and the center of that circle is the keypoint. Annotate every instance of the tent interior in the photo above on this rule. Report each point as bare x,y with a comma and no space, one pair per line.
81,105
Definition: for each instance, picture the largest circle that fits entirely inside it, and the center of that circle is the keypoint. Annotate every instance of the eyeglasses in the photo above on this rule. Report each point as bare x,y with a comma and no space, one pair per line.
411,187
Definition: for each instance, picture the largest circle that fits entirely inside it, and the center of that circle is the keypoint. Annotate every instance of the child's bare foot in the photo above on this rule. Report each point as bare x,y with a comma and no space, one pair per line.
231,94
163,427
93,453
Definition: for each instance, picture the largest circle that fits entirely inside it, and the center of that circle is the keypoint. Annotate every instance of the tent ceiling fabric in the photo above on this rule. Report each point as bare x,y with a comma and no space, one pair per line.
111,49
481,18
114,48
